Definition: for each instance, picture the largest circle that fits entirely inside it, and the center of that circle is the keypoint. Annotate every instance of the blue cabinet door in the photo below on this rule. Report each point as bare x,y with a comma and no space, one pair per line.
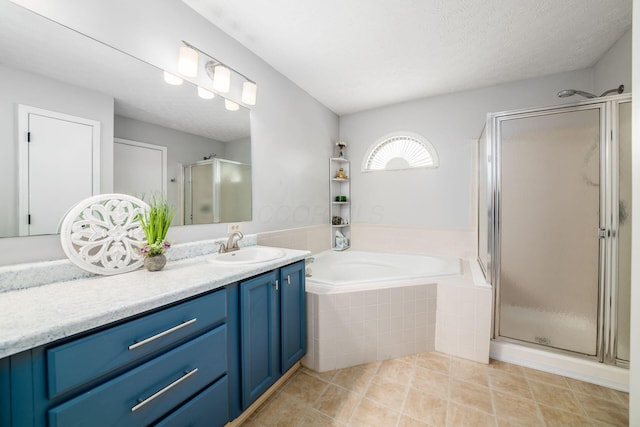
293,317
259,325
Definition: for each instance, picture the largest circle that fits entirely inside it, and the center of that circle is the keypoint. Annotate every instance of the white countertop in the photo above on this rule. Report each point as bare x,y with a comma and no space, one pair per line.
42,314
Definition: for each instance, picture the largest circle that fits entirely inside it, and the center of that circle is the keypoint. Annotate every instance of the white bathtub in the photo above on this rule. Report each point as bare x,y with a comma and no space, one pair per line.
348,271
368,306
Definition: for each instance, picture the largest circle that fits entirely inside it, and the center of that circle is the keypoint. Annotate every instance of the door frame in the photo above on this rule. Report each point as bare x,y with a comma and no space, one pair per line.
24,111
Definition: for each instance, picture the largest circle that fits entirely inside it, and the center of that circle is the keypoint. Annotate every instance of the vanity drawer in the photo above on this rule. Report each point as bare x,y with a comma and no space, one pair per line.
208,409
146,393
81,361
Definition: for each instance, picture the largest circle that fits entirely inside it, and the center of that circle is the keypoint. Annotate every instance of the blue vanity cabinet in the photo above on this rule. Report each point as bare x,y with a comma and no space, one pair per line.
162,367
293,315
272,327
259,335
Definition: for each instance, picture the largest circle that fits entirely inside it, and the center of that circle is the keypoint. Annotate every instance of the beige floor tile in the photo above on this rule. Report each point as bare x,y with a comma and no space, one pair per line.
592,389
337,403
304,387
325,376
511,410
474,396
462,416
509,383
431,381
611,412
355,379
557,397
472,372
313,418
410,359
435,361
554,417
621,397
386,392
545,377
284,411
396,370
506,367
369,413
406,421
425,407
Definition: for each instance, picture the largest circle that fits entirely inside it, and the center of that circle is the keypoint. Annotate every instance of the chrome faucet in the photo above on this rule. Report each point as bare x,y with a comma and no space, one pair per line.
232,244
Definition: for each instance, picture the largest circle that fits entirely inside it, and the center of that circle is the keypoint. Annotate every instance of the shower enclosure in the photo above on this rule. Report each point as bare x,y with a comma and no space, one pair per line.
554,232
217,190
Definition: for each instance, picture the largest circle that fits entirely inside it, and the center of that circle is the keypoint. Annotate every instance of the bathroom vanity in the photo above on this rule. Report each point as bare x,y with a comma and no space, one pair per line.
194,344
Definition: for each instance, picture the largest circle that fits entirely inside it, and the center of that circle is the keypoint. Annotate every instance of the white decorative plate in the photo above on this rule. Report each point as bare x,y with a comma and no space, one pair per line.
102,235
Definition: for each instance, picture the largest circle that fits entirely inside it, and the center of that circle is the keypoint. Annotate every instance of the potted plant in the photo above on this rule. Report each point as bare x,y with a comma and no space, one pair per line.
155,223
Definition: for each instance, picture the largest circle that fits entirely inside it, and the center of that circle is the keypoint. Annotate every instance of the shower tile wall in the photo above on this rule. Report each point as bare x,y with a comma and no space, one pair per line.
352,328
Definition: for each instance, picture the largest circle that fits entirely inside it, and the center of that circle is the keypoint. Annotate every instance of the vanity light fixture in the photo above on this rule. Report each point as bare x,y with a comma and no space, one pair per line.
221,78
221,75
230,105
188,61
172,79
249,92
205,94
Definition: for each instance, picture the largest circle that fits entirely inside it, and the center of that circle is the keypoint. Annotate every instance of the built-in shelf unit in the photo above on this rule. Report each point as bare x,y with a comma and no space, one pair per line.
340,202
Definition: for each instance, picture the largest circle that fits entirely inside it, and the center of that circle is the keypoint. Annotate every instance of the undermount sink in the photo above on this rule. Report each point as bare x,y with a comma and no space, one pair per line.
248,255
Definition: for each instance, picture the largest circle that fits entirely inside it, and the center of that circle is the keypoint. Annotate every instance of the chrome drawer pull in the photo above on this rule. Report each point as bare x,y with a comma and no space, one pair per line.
164,390
161,334
288,279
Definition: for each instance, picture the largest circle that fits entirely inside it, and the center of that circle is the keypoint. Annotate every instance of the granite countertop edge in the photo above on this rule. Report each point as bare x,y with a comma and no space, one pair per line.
41,315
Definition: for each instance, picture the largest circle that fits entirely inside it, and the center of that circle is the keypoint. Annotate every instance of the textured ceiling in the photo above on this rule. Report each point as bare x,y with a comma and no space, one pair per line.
32,43
361,54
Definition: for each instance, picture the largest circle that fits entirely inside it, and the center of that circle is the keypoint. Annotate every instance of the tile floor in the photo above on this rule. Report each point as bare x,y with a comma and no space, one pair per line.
433,389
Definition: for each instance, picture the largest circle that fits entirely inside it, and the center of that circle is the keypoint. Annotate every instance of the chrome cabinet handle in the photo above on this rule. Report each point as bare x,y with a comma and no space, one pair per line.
161,334
288,279
158,393
276,284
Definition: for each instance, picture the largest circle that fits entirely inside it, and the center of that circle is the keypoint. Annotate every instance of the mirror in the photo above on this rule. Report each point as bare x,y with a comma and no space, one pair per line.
144,134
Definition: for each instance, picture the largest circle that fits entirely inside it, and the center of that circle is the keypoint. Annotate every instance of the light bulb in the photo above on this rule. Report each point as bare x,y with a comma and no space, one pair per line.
188,61
230,105
172,79
221,78
249,91
205,94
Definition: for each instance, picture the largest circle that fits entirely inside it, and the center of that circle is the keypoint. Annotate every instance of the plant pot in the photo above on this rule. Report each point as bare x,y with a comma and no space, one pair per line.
155,263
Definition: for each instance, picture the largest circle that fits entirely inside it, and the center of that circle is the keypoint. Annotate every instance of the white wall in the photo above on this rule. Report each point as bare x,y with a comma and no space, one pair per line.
437,198
614,68
292,134
21,87
239,150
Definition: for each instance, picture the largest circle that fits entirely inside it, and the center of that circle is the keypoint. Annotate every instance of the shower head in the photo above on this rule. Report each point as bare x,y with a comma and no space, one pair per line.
570,92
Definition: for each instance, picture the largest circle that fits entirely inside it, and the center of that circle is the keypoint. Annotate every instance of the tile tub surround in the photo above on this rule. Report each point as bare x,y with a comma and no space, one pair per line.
42,314
452,316
434,389
353,328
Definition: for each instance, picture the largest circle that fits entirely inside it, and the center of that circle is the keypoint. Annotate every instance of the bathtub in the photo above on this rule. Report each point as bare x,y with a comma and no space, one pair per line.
367,306
348,271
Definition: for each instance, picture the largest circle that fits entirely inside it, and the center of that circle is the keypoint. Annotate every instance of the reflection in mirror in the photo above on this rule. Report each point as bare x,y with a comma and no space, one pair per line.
144,133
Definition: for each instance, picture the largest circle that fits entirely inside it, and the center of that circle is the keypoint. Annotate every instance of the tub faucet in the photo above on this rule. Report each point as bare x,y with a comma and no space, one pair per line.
232,244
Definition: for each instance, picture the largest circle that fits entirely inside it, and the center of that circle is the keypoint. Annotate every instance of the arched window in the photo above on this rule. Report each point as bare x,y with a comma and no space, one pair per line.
400,150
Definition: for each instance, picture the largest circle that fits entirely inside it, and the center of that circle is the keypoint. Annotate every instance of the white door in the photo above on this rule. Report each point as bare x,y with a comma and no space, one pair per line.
59,166
139,169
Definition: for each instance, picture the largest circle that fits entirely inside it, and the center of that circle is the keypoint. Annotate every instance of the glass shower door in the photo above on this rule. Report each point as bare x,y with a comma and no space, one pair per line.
549,210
